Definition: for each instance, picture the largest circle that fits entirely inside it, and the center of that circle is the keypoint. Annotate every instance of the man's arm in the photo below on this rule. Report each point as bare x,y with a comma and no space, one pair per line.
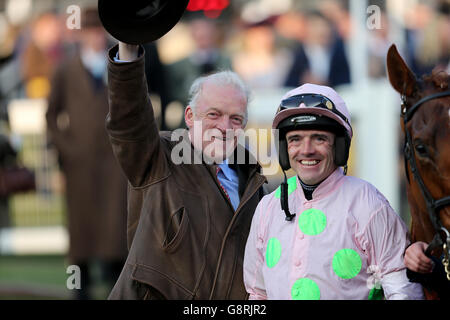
131,123
428,271
385,242
128,52
416,260
254,261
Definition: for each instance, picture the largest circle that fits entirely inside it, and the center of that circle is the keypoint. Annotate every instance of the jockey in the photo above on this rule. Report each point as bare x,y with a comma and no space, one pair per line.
322,234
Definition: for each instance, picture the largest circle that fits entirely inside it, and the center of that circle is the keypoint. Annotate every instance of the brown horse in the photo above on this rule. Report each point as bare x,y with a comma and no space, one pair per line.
426,126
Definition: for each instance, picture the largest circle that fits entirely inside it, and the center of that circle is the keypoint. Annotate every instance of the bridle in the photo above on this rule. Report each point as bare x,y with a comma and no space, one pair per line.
442,235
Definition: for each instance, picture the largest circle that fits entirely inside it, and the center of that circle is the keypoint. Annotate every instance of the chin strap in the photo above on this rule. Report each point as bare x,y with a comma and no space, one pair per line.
284,199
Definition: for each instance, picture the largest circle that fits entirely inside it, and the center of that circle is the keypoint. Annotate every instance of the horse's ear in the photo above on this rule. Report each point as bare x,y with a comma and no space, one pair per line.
400,76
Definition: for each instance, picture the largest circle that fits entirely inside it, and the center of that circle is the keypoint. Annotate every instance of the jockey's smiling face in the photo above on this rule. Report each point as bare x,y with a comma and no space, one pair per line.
311,154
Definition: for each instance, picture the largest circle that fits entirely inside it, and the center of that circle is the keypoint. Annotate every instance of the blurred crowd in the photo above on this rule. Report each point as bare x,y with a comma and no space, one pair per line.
42,58
286,49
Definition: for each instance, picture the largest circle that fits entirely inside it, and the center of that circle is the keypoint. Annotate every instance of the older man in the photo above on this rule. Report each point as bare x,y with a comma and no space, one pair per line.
190,207
323,235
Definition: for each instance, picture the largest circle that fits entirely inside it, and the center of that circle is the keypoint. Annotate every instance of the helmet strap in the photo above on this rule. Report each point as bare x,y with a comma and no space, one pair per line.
284,199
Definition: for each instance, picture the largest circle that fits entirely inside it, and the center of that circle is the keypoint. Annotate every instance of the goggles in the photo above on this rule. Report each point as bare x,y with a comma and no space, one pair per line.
311,101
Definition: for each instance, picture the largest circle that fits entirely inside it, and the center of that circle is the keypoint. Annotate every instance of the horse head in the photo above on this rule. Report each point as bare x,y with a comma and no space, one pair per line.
425,123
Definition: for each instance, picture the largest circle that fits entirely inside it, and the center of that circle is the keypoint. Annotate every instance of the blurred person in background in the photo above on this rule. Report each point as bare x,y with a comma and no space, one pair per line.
261,63
336,11
42,52
7,158
14,177
427,35
378,46
291,27
321,57
206,58
95,185
9,82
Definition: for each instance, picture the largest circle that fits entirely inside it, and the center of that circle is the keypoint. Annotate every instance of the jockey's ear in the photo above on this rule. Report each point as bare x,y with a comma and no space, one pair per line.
401,77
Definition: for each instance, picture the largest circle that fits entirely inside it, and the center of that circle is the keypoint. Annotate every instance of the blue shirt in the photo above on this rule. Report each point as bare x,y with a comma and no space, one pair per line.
230,181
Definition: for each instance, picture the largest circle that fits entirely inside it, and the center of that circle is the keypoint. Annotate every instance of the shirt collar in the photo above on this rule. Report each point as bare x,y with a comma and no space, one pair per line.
227,171
332,182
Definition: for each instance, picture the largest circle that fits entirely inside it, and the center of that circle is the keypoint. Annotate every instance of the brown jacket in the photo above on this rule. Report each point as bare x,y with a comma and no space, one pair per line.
96,188
186,241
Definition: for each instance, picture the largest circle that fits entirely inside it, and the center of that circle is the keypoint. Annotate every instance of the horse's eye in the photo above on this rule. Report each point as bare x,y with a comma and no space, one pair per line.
421,150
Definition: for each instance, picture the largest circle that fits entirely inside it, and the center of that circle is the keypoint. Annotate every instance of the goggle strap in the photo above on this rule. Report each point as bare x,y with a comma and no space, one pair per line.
320,102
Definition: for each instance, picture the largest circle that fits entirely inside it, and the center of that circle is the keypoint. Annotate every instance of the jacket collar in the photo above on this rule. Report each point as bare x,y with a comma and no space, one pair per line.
241,157
242,161
331,183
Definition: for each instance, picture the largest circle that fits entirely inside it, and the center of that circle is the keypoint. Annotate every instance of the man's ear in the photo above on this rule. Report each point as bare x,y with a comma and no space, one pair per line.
400,76
189,117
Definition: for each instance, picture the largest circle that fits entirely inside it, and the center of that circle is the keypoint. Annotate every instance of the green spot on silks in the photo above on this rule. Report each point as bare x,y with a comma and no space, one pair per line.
347,263
305,289
273,252
312,222
292,186
376,294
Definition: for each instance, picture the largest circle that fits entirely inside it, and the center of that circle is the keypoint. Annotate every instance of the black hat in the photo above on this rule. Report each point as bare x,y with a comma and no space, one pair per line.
140,21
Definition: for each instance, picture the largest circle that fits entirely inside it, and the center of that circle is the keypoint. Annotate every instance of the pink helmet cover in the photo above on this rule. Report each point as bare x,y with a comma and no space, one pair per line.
328,92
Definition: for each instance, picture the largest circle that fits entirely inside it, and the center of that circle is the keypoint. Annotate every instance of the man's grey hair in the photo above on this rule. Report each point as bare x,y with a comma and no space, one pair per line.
226,77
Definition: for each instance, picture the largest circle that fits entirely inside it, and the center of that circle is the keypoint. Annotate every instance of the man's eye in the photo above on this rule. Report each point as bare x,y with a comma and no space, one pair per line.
237,120
213,114
321,139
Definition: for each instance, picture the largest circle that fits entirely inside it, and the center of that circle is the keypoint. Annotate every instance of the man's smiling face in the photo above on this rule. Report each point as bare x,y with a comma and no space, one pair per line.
221,115
311,154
